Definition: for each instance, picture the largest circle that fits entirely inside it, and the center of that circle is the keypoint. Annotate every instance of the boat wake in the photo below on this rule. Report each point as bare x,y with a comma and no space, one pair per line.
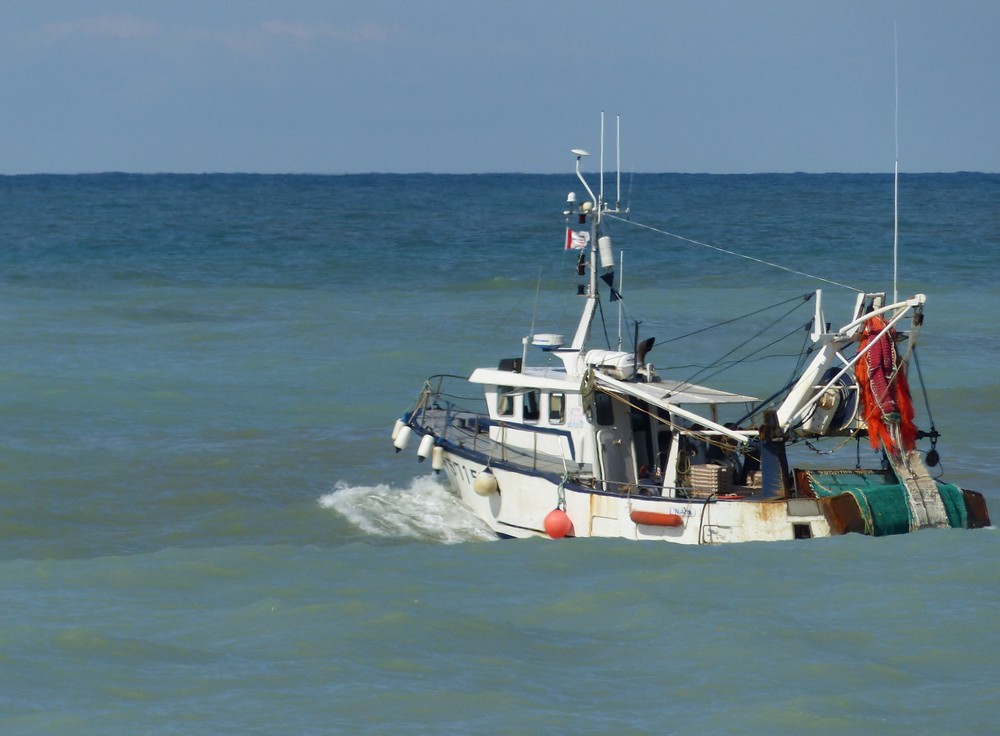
425,510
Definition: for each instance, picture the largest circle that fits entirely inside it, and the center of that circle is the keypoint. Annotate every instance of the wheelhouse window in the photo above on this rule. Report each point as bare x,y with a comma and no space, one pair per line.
557,408
604,409
531,407
505,401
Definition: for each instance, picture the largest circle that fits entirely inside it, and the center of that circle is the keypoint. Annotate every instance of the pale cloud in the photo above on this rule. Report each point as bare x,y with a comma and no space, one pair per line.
264,38
301,31
365,32
126,27
258,40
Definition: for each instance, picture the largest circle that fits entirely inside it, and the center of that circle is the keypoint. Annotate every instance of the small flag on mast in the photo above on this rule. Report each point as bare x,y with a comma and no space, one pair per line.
577,239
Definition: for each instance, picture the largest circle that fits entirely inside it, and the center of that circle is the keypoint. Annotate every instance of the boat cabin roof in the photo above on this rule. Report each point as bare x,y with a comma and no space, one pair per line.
544,378
679,392
556,379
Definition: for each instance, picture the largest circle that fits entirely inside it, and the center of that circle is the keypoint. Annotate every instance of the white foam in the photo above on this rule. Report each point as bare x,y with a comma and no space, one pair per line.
426,510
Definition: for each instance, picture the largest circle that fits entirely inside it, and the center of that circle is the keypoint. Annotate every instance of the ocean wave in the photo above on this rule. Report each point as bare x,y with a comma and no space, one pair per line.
425,510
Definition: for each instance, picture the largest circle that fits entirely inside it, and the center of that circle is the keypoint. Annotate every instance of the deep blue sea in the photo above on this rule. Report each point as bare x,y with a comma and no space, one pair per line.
205,530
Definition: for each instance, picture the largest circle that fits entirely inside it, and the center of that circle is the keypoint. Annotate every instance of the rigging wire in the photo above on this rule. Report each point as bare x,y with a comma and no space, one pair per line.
804,298
718,364
738,255
804,352
604,324
923,388
643,408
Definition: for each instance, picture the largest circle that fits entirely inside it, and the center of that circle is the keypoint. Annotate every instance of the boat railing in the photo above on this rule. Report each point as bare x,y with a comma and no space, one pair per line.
689,494
445,410
436,391
535,457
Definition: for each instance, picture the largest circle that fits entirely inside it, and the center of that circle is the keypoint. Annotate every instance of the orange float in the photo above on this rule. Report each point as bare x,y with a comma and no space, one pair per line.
655,518
558,524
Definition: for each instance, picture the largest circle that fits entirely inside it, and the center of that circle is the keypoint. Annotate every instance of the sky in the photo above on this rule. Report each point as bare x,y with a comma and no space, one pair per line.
473,86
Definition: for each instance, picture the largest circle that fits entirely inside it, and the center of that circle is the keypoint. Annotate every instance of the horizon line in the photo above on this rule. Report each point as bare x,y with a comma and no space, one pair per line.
121,172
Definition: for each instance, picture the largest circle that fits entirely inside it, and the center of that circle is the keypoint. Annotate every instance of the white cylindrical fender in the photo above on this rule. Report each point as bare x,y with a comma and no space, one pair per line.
396,427
402,438
425,448
437,459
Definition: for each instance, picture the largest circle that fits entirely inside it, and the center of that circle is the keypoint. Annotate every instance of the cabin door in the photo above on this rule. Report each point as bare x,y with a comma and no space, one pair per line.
614,444
616,461
642,443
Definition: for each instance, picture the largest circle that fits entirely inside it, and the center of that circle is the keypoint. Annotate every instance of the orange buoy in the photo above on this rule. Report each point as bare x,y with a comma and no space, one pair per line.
558,524
655,518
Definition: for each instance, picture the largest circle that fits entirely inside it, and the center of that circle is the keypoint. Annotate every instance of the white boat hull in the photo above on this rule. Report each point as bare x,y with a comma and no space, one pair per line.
519,507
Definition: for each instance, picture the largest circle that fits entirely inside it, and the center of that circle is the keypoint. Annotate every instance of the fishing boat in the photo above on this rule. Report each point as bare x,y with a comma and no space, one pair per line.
577,440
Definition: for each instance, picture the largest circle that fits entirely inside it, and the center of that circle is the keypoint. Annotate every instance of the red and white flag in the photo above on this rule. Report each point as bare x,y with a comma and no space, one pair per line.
576,239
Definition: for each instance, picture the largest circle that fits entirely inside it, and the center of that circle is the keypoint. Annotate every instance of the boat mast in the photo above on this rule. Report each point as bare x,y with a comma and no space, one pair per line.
600,244
587,208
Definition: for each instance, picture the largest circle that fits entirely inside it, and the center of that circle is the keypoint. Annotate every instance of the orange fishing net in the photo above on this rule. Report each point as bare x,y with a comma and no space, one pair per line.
885,393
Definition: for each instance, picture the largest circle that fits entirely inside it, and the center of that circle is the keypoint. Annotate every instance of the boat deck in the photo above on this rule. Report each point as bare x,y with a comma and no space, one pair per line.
471,431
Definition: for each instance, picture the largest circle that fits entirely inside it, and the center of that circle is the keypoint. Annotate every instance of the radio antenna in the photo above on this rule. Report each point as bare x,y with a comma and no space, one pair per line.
618,162
600,204
895,180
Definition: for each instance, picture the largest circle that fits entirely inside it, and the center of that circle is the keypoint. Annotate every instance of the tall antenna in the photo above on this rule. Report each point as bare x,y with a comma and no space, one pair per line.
618,161
895,180
601,190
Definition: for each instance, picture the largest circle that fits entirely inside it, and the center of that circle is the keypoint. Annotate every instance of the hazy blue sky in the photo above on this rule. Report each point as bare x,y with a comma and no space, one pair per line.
499,85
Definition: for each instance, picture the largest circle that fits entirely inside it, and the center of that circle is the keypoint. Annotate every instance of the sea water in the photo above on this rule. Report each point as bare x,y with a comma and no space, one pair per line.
205,529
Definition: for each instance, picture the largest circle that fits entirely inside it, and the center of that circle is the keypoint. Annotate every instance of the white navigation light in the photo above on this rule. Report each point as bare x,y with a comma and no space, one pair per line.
570,203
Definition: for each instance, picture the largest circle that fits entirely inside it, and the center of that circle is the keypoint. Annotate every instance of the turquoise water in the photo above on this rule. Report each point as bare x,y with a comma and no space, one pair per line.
205,530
